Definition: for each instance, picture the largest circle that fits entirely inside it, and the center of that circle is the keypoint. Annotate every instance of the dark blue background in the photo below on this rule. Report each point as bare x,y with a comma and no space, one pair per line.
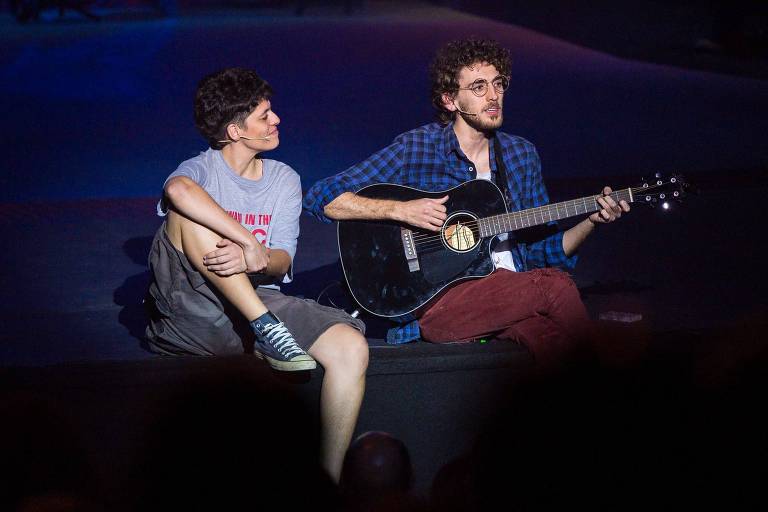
104,110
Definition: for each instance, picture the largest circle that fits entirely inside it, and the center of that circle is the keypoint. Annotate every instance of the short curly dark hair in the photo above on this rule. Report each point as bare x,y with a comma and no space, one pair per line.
227,96
446,66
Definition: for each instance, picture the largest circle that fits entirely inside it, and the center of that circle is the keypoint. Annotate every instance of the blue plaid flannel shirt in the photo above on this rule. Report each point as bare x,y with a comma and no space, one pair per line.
429,158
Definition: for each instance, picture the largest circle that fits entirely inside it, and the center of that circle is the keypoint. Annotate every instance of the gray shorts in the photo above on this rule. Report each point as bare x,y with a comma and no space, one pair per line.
189,317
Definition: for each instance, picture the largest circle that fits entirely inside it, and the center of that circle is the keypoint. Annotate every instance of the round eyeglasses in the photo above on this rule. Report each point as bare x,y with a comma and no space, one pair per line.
480,87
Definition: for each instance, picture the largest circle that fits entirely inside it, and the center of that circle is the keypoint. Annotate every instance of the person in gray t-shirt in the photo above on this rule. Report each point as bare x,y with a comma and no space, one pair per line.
228,241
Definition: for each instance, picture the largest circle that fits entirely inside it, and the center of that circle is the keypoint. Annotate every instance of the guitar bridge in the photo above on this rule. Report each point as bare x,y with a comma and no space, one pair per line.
410,249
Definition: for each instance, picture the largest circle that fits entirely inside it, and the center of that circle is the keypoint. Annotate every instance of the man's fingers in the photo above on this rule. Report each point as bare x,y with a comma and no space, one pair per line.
437,218
610,208
438,204
606,202
616,207
433,207
426,213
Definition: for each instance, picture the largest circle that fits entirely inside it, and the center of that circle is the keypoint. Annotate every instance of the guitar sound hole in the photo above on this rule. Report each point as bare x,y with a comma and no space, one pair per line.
460,232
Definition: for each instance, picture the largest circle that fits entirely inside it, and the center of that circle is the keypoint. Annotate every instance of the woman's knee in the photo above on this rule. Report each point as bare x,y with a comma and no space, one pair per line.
355,350
344,349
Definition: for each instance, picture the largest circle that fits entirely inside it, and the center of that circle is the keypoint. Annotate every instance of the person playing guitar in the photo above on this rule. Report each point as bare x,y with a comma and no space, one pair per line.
526,296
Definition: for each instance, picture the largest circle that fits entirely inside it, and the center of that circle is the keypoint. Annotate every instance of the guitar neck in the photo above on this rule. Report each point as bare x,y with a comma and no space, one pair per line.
504,223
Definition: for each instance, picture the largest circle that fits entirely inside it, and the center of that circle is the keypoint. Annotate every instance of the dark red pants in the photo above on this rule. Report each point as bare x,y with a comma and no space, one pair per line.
541,309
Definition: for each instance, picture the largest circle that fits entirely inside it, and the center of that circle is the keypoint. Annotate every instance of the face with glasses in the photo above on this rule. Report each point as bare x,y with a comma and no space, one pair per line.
481,91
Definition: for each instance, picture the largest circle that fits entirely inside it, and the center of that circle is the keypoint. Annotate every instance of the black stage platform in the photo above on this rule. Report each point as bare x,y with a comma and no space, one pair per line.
682,423
434,398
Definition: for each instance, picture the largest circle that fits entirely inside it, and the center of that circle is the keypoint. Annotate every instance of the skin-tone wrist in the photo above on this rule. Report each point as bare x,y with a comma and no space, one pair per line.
575,236
247,244
391,211
265,270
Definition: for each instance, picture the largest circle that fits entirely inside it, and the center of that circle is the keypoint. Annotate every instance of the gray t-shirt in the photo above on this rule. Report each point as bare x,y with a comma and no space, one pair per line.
268,207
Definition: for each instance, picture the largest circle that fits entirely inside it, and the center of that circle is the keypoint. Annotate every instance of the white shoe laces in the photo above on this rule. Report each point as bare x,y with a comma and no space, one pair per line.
282,340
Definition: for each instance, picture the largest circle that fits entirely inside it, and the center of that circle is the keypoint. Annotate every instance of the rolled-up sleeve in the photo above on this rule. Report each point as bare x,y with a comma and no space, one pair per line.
380,167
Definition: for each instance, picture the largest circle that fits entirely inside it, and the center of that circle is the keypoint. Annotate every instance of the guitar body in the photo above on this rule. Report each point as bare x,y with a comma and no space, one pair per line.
392,269
375,263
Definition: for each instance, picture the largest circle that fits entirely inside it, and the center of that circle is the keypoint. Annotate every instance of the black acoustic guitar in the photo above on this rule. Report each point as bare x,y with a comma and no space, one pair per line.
394,269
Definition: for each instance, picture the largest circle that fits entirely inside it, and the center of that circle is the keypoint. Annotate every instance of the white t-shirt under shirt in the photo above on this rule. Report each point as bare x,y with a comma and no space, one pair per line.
268,207
501,255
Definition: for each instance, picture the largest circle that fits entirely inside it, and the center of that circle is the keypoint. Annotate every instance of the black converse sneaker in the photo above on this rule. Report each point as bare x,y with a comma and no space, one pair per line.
275,344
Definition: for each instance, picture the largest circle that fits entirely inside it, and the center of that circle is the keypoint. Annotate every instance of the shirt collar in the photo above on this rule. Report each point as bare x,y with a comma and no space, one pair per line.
450,142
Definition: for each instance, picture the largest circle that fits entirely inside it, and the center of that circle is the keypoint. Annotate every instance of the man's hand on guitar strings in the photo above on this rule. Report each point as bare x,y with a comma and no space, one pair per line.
611,209
422,213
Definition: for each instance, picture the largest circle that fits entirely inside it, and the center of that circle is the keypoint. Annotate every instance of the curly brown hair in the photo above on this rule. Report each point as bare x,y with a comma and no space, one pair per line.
227,96
451,58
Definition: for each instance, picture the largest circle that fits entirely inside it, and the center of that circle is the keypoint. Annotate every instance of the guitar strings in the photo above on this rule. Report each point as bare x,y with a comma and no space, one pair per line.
425,239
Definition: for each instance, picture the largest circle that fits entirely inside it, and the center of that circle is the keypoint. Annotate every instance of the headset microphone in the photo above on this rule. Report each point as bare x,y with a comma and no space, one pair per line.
247,138
463,111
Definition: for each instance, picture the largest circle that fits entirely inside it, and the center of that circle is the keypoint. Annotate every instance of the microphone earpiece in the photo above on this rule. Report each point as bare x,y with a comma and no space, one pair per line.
463,111
246,138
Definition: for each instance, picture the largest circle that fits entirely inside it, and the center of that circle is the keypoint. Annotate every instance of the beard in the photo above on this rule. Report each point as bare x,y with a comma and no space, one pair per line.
480,123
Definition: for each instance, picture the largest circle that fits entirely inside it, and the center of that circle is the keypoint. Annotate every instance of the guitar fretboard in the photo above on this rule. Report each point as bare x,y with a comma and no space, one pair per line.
490,226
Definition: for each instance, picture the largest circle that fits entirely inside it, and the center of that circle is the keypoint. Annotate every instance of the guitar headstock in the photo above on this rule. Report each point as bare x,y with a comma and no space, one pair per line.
661,191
